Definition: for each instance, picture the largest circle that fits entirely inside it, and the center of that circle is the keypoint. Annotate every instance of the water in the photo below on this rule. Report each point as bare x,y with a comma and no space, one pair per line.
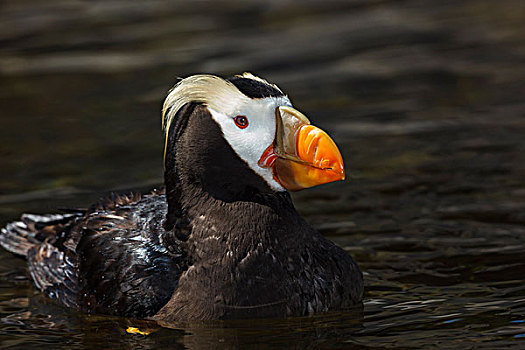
425,99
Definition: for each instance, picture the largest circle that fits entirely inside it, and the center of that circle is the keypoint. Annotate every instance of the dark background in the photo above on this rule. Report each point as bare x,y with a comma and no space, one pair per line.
424,97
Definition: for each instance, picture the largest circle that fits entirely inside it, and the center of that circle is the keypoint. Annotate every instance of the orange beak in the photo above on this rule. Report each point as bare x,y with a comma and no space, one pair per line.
302,155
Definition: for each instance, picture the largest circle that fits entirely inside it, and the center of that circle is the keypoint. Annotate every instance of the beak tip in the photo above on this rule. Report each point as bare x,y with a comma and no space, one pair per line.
340,170
342,175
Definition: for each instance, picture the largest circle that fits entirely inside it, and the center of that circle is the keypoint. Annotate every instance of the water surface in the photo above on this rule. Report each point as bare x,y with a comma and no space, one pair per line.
425,99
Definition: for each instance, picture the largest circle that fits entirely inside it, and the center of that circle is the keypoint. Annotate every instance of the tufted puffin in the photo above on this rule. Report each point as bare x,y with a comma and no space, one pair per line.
222,240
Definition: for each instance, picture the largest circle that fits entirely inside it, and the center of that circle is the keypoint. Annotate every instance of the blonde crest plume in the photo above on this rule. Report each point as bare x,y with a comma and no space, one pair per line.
210,90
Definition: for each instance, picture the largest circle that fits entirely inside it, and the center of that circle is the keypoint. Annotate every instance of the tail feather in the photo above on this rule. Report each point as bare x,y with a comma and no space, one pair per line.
19,237
38,222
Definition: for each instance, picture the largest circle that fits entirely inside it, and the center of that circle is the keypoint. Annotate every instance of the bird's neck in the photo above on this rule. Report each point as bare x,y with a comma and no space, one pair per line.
192,210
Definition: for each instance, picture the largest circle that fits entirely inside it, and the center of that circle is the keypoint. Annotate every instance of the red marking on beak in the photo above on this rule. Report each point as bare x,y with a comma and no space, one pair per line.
267,158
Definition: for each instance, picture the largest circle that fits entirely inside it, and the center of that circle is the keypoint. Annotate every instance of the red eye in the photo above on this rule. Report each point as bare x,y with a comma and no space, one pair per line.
241,121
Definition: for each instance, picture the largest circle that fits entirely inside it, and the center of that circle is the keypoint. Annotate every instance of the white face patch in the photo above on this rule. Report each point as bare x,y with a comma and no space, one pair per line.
250,143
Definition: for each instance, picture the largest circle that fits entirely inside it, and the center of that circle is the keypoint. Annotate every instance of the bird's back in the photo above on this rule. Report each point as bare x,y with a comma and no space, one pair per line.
108,259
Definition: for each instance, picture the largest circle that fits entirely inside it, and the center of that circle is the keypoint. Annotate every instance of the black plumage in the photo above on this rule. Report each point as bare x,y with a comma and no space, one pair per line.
218,243
254,88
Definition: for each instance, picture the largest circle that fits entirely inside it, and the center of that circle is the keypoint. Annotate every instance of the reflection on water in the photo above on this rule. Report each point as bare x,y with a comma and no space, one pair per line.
425,99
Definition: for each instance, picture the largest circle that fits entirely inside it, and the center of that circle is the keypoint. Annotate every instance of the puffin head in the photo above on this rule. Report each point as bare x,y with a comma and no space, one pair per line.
237,137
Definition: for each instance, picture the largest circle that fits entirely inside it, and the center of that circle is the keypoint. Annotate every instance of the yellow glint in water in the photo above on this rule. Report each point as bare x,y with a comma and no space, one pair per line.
135,330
